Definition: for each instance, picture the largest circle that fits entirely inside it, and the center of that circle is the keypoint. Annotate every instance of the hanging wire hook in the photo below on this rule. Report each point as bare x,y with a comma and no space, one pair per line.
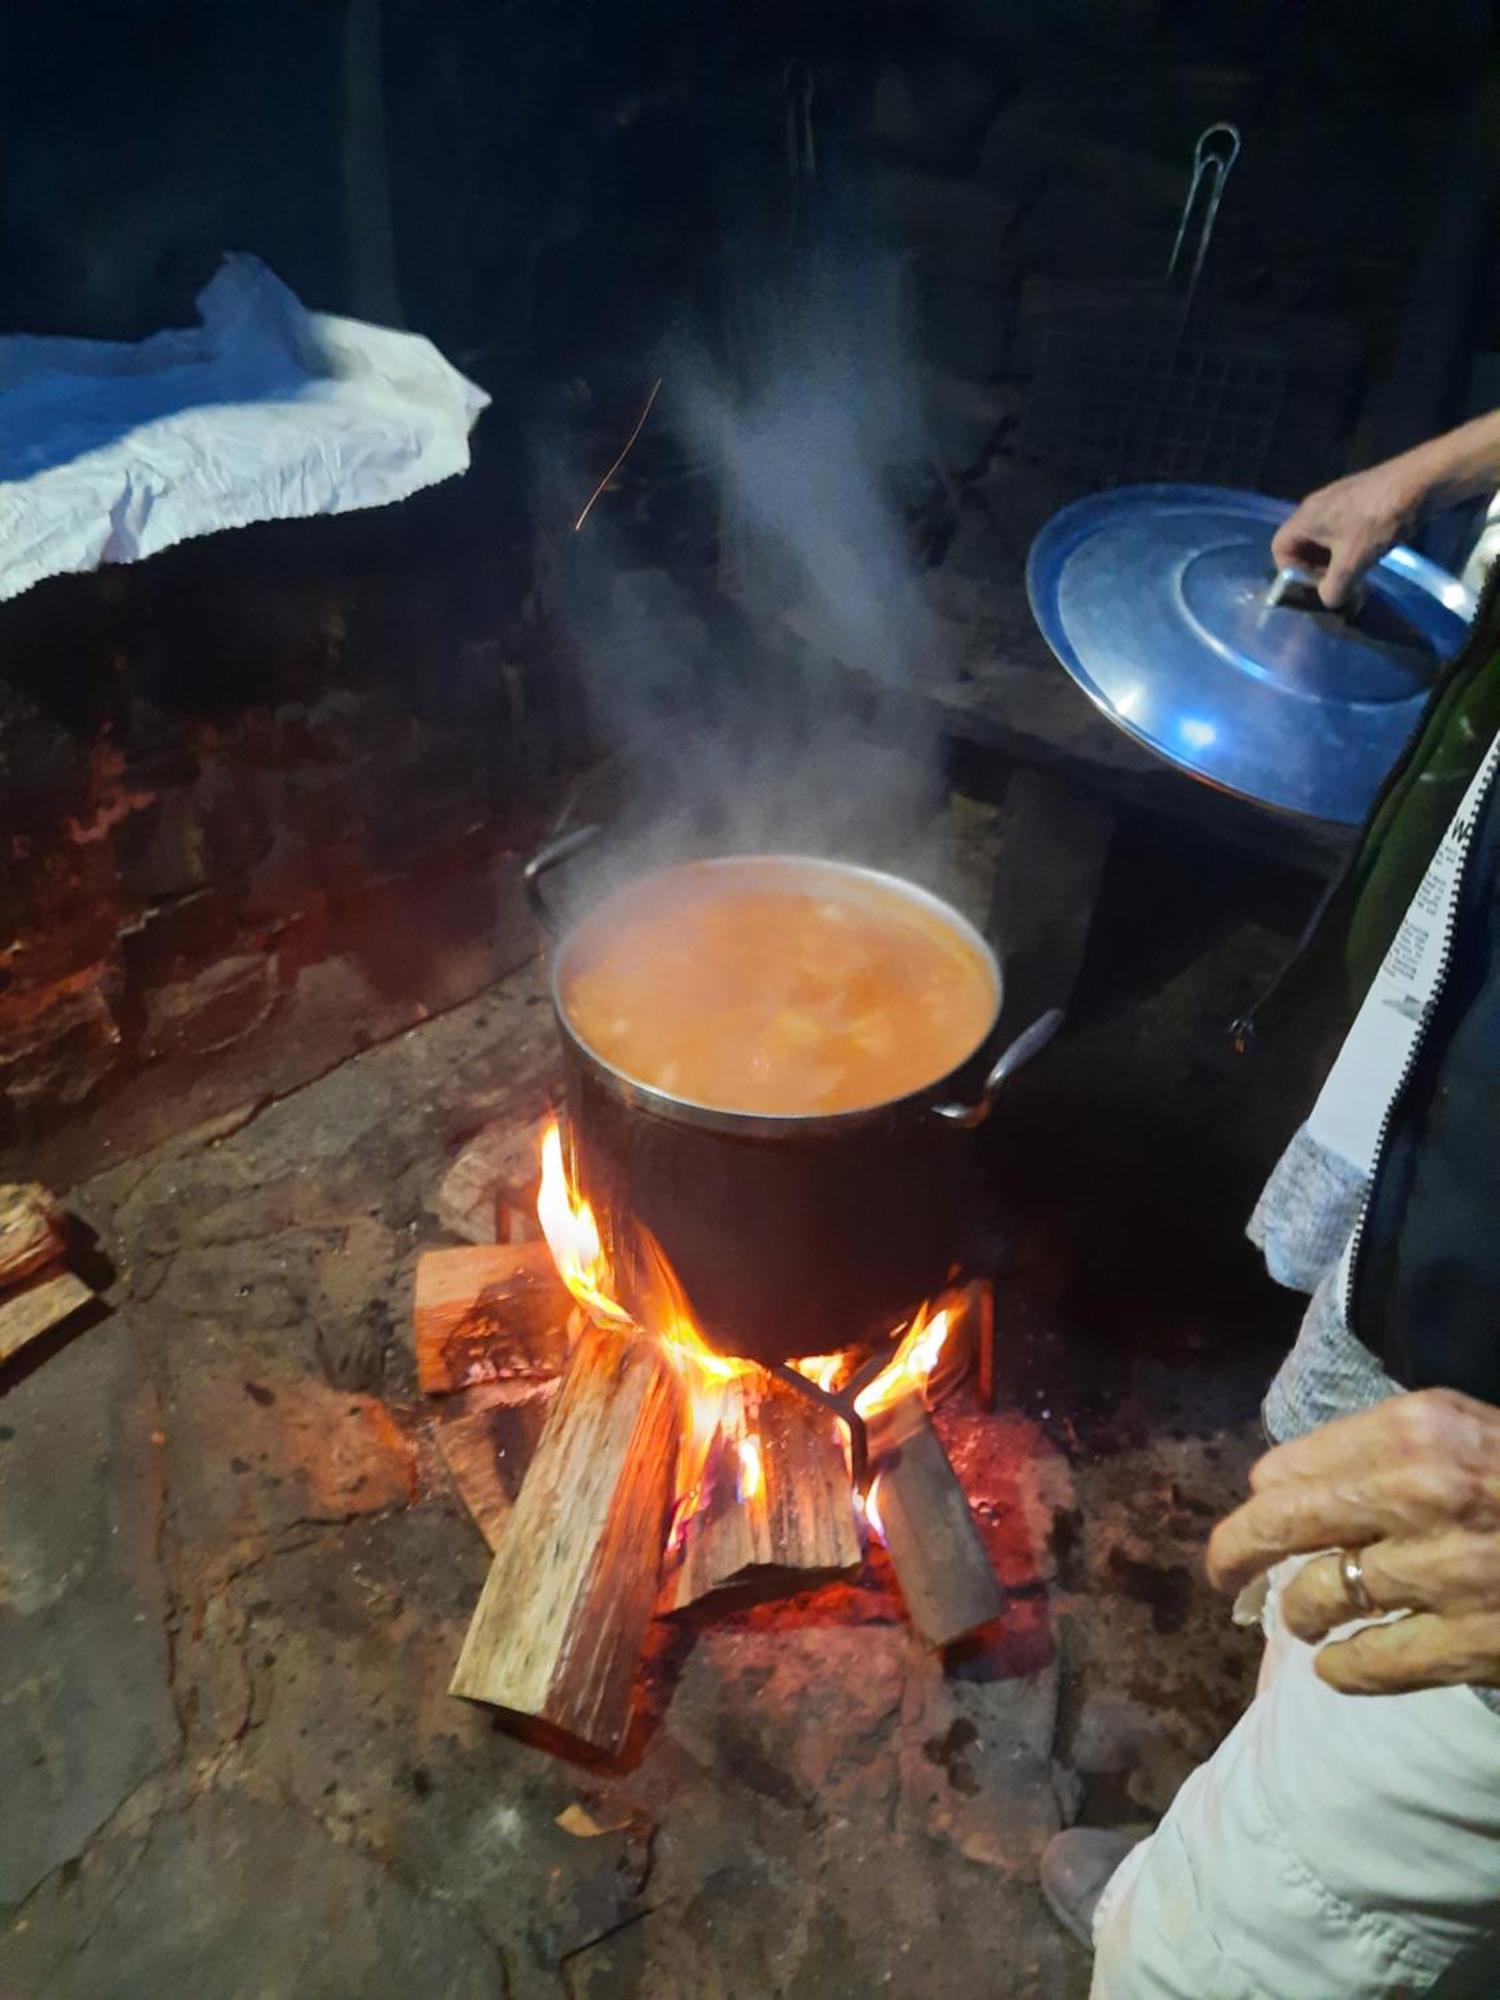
1217,150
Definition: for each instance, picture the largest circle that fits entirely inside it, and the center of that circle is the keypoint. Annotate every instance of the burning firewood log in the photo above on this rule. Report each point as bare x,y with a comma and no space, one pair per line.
916,1500
773,1495
561,1623
487,1311
650,1425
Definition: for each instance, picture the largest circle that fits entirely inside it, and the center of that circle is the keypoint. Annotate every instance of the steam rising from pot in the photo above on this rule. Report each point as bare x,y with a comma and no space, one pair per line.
736,720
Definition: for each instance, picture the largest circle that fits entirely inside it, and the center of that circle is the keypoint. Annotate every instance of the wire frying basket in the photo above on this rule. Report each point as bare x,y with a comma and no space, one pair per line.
1146,382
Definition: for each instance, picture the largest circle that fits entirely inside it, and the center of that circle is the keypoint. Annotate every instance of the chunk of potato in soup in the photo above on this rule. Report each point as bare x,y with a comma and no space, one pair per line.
721,985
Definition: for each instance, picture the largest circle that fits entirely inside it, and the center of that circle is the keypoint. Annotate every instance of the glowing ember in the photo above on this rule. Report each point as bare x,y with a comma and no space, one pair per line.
913,1362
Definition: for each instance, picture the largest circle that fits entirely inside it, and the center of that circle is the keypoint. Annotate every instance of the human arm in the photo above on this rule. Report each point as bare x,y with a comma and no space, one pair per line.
1341,530
1413,1486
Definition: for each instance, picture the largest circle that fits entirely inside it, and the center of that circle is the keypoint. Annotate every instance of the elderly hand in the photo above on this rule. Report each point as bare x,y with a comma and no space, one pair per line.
1342,530
1413,1488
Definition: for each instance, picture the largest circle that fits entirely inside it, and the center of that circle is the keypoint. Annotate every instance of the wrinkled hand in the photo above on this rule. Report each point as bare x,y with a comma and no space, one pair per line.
1342,530
1412,1485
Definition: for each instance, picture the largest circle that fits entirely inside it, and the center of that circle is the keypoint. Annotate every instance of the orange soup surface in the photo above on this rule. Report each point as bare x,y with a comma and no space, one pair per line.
750,997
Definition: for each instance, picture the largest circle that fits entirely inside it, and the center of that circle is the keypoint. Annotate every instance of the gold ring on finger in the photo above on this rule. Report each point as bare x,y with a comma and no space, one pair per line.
1352,1571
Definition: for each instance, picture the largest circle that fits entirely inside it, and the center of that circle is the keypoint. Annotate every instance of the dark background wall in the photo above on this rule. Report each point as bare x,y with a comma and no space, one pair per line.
246,753
557,176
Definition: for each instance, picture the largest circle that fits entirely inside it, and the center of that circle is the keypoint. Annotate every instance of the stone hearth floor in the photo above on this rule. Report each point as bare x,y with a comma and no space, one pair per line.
239,1580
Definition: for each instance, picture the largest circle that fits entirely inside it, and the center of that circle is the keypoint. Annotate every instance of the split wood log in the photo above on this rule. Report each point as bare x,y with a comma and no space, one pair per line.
35,1310
487,1452
774,1496
488,1312
31,1231
940,1562
560,1625
489,1193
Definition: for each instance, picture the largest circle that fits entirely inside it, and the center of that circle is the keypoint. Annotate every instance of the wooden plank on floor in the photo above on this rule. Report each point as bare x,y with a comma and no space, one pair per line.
31,1231
27,1314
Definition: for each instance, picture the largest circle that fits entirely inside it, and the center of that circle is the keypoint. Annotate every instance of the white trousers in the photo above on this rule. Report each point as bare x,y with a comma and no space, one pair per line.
1335,1847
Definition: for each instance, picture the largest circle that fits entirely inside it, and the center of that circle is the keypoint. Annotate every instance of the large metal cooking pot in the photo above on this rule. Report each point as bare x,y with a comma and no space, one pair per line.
789,1235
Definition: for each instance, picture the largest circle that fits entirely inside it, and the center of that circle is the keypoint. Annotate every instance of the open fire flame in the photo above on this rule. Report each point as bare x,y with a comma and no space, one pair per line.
572,1233
910,1368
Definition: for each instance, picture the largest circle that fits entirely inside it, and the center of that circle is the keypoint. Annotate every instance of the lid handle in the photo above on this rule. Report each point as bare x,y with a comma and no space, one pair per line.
1296,589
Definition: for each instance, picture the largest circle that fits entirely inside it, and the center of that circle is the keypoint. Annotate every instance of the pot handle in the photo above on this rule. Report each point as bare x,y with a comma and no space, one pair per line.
1021,1050
543,862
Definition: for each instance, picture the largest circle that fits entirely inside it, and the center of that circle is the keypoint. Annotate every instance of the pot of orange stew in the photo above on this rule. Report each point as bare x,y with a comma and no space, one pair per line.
773,1069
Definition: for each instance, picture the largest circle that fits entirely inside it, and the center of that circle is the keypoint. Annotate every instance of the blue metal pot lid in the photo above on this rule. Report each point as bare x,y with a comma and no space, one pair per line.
1159,602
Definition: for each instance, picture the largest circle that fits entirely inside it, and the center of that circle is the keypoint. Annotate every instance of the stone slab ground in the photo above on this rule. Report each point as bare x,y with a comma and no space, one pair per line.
237,1578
